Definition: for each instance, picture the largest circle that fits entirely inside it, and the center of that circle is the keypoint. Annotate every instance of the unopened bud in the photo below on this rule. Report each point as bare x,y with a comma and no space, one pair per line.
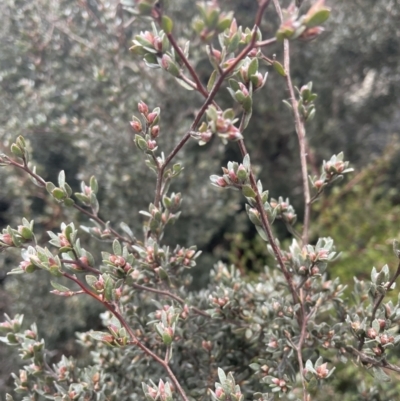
143,108
155,131
136,125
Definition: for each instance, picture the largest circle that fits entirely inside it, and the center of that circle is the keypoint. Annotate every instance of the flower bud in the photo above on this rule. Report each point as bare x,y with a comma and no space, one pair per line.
206,136
136,125
151,144
371,333
242,173
234,134
311,33
143,108
155,131
7,239
221,182
322,371
151,117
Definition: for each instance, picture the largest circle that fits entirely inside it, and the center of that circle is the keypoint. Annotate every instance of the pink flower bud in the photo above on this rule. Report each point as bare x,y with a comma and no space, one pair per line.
143,108
318,184
322,371
151,117
155,131
151,144
244,89
233,176
136,125
63,240
234,134
219,392
216,55
315,271
221,182
148,36
207,345
157,43
7,239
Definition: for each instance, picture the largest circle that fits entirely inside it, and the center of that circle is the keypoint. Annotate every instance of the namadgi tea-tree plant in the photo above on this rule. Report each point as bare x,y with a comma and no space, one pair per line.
281,335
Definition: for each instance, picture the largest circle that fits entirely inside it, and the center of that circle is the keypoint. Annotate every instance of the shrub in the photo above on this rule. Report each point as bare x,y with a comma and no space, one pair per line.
280,334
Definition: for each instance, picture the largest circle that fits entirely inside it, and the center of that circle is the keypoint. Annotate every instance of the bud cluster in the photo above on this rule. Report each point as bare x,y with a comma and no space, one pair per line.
120,263
219,123
235,176
19,149
155,49
162,392
211,21
284,210
184,257
332,170
148,130
165,324
306,104
247,80
62,193
226,389
88,194
306,27
11,238
319,370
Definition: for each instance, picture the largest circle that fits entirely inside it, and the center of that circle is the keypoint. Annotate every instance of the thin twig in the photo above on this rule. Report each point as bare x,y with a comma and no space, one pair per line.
301,133
42,183
199,86
81,265
266,224
382,296
264,43
170,295
370,360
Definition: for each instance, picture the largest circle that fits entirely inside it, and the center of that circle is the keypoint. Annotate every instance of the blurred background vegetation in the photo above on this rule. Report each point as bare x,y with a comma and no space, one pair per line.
70,86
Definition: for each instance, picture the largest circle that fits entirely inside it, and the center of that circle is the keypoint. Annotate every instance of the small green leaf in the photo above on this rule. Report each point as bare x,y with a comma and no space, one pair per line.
166,24
211,81
61,178
221,376
253,67
93,184
59,194
16,150
279,68
248,191
94,203
59,287
91,280
317,18
117,248
69,202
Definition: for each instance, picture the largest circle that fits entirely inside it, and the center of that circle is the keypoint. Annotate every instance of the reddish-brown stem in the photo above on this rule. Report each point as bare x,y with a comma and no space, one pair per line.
265,43
380,299
200,88
366,359
80,264
301,133
103,223
134,339
210,98
170,295
41,182
268,229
